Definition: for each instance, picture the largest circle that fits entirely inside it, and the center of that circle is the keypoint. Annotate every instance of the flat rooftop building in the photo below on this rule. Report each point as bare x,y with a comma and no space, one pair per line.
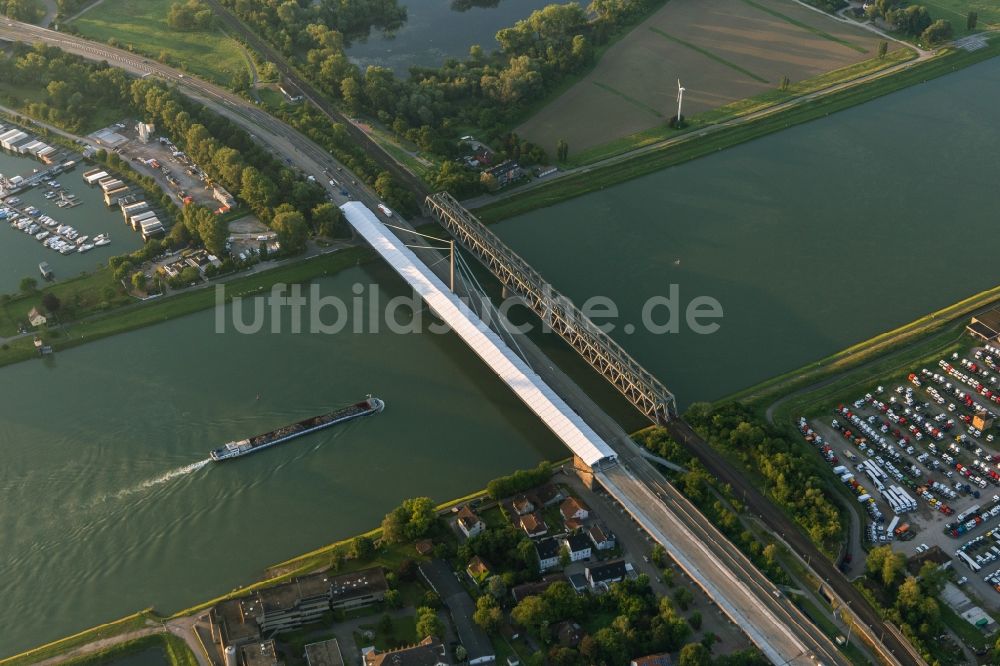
289,605
326,653
358,589
986,326
260,654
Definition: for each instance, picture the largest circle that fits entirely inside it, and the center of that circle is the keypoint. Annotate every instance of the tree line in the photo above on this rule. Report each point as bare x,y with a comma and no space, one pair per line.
486,90
791,477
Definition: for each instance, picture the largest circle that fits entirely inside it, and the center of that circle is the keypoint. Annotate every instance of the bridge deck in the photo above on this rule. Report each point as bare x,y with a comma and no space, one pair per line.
525,382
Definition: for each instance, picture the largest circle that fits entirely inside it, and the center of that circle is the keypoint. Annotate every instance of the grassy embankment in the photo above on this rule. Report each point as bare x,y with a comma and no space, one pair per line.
695,146
173,649
138,315
880,357
134,622
141,26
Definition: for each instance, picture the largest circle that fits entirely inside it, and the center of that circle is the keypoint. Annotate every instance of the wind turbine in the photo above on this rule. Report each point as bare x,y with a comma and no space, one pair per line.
680,100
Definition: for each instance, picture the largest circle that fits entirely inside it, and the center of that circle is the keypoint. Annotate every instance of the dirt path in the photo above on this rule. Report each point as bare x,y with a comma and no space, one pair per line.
99,645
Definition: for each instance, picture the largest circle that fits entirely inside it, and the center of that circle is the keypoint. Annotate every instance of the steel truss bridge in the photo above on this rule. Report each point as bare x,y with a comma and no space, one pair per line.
557,312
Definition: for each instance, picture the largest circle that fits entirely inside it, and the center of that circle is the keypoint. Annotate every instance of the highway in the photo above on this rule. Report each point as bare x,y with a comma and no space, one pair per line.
890,643
744,594
375,151
735,584
285,142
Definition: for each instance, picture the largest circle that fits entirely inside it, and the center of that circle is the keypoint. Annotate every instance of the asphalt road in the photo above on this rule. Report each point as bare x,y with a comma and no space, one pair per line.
778,522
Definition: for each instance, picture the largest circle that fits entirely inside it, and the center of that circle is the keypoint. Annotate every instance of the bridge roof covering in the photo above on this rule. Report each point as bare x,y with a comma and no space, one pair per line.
508,366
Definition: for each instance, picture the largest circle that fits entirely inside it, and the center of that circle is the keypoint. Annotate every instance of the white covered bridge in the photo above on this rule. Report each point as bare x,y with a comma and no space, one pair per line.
508,366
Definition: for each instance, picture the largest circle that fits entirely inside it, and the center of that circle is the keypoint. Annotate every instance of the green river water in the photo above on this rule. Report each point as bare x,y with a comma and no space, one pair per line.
811,239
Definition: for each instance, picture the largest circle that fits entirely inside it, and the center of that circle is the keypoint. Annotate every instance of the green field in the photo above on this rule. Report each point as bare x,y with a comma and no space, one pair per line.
141,25
956,11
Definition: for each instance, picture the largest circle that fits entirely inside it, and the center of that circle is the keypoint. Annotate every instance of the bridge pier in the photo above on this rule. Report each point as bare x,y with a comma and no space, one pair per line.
583,471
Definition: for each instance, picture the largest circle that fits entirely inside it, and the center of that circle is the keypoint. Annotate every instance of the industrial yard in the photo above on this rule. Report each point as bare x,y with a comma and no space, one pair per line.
922,457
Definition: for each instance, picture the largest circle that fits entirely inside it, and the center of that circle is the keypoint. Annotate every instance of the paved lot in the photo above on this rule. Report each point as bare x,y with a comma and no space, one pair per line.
926,522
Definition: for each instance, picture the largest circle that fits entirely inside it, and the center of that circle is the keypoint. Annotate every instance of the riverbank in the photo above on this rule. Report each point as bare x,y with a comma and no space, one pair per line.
897,347
128,628
154,311
632,165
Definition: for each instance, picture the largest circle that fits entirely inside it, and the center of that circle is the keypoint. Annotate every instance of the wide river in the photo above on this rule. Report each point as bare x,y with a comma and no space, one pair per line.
810,239
108,503
20,253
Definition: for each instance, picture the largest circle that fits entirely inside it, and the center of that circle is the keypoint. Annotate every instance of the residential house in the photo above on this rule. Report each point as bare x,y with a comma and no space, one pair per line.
533,525
549,494
36,318
523,590
652,660
573,508
567,633
548,551
428,652
478,570
601,537
578,545
469,523
603,575
522,505
506,172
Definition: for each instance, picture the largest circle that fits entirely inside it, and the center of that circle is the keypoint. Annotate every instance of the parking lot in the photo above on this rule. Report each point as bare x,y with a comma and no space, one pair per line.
921,457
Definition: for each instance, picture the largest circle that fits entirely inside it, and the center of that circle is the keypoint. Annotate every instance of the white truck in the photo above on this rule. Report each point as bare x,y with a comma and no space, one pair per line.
385,210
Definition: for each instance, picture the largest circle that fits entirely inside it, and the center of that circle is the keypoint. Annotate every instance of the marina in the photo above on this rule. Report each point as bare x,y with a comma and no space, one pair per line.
53,218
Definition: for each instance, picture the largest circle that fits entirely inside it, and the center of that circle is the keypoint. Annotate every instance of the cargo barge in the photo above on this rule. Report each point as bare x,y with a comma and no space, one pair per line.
245,447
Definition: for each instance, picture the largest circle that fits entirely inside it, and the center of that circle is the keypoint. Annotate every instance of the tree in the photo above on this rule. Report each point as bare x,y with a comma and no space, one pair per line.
564,556
695,620
51,302
328,220
683,597
883,48
139,281
530,612
362,548
428,623
785,82
488,614
694,654
291,229
256,189
971,20
392,599
28,284
385,625
496,587
937,32
562,150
